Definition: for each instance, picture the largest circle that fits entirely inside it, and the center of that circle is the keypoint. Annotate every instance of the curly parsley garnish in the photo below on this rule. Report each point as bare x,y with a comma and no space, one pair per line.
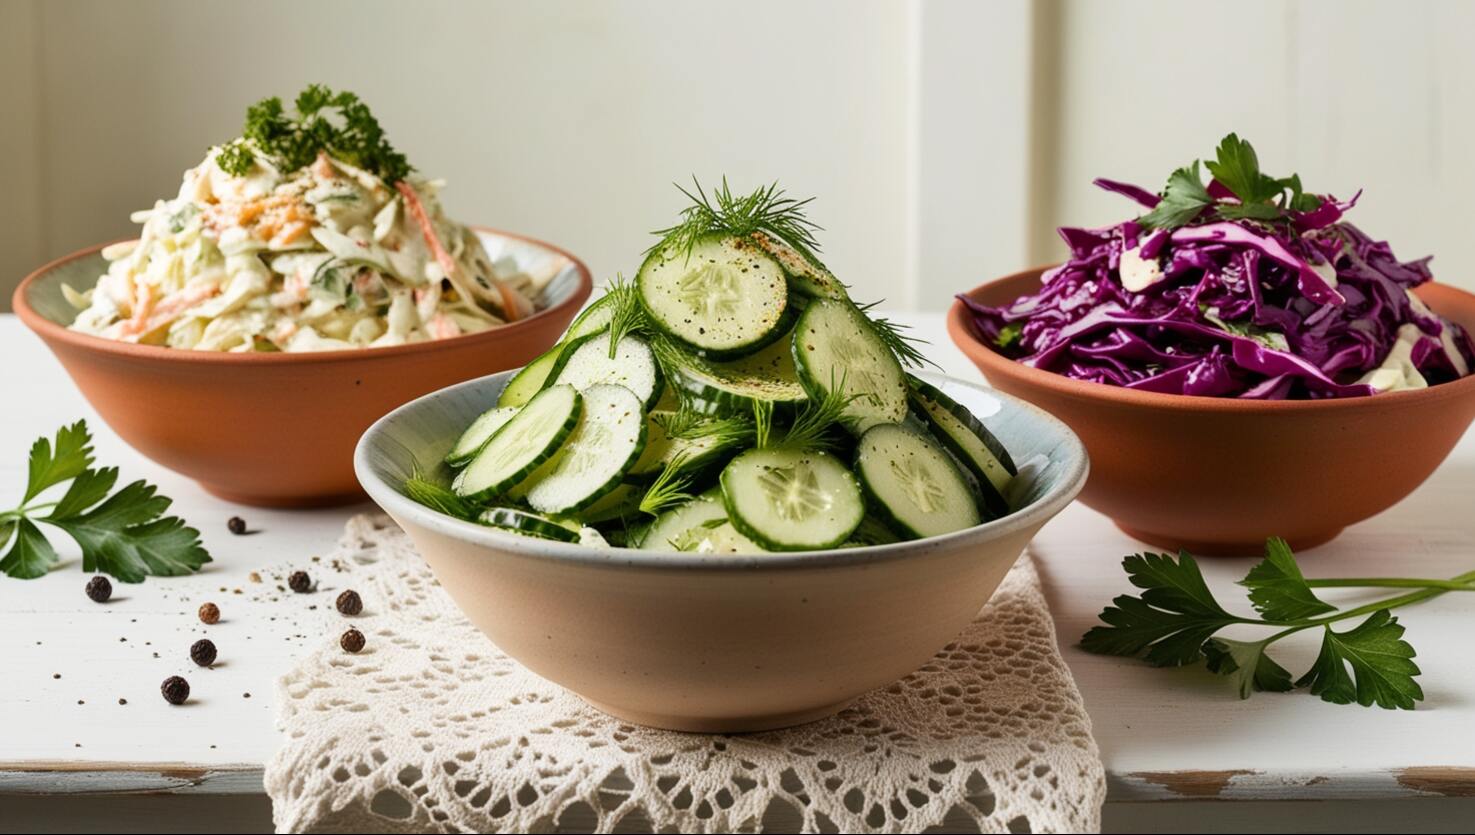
125,534
1173,623
338,124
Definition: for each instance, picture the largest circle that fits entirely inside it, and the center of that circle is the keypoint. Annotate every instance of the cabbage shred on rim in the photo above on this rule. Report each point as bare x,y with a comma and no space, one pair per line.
1248,287
309,233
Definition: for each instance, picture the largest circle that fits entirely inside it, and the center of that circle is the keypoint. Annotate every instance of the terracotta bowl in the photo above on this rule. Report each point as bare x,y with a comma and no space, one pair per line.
278,430
1217,475
718,643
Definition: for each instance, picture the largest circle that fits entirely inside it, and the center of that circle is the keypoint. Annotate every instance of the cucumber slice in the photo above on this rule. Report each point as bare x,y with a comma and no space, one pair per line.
594,459
835,345
722,539
970,442
478,433
588,363
595,318
523,443
527,524
792,500
619,503
732,387
724,298
681,527
696,452
871,532
912,484
806,275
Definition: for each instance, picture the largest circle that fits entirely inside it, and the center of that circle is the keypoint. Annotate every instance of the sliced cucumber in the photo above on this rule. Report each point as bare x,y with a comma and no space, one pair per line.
871,532
732,387
633,366
696,452
724,298
540,373
527,524
679,528
478,433
595,318
596,456
792,500
620,503
970,442
721,539
912,484
523,443
835,347
806,275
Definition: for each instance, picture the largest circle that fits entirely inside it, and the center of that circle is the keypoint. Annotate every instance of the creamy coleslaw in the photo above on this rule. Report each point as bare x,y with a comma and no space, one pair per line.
327,257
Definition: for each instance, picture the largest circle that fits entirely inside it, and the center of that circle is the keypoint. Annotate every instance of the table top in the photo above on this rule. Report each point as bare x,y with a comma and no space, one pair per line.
70,664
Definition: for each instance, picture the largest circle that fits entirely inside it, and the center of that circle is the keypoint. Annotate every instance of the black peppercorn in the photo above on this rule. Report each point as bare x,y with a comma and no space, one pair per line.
175,690
349,603
236,524
202,652
99,588
300,582
209,613
352,641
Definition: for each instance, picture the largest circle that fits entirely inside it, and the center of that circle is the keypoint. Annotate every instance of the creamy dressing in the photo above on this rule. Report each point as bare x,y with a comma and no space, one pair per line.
1397,373
1138,273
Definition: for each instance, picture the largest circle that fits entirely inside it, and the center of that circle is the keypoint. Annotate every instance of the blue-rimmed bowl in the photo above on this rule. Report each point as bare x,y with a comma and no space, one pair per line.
718,643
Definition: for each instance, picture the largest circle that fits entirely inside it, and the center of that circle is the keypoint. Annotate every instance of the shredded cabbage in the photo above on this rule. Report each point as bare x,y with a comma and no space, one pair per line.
1300,306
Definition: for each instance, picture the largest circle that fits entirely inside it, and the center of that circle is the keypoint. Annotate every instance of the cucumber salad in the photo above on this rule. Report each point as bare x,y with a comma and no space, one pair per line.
732,398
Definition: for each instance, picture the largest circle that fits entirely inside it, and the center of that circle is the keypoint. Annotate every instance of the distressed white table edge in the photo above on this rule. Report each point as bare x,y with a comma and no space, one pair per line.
1180,753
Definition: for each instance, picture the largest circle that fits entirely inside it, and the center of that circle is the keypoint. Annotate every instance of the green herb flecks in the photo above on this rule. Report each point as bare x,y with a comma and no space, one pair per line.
1174,620
125,534
338,124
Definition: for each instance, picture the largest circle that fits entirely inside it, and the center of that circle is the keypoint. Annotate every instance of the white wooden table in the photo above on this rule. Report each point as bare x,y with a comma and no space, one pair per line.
1171,739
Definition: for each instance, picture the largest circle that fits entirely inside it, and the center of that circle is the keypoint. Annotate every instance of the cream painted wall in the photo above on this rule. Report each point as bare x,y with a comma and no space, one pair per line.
944,139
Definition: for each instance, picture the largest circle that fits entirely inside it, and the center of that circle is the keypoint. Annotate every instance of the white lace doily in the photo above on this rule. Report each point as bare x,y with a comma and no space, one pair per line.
431,728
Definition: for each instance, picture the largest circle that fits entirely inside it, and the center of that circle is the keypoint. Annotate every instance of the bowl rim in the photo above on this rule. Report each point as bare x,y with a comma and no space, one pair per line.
1060,494
49,330
991,361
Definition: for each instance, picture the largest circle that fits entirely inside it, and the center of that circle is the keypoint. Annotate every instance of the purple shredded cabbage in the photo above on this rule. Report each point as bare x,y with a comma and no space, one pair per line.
1303,309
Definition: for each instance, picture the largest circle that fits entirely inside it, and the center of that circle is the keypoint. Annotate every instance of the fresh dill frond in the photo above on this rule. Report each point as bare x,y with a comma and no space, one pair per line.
762,423
811,427
690,423
628,316
902,345
767,209
437,497
668,490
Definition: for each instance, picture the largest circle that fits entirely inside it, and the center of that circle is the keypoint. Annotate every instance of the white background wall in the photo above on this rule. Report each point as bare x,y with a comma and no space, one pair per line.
944,139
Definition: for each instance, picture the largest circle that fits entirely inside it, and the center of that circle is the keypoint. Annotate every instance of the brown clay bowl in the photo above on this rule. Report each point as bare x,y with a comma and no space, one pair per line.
718,643
277,430
1219,475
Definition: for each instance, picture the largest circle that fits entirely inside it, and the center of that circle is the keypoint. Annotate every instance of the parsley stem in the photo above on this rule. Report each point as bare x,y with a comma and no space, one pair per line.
1460,583
1391,582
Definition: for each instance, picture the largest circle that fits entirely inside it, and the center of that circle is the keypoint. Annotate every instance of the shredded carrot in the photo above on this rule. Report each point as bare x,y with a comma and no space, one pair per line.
514,305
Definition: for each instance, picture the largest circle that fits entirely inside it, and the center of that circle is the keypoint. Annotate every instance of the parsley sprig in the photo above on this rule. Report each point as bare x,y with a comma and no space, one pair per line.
1236,167
125,534
1174,621
336,123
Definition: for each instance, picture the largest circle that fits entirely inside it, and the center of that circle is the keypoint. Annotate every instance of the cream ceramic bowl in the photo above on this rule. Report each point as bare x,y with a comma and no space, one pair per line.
718,643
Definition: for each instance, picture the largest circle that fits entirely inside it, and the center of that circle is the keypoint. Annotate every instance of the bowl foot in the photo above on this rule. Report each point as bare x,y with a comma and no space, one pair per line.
1220,548
284,501
721,725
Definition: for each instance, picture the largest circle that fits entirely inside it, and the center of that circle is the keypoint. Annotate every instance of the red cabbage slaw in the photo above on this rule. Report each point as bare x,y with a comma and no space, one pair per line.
1307,307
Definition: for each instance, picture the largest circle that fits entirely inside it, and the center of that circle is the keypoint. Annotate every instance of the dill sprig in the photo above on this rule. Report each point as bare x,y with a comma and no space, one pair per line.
437,497
811,426
904,346
762,423
767,209
628,316
668,490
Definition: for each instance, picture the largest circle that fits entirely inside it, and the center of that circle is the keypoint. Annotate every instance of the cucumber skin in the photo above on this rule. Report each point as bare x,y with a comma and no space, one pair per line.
530,379
656,392
781,327
526,524
812,384
991,502
878,508
712,400
811,279
549,452
737,521
614,481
